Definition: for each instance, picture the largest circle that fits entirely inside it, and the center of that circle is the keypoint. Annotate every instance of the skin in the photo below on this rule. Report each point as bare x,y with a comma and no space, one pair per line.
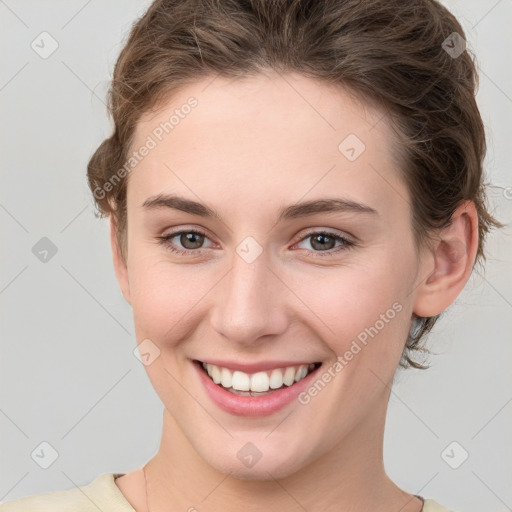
251,147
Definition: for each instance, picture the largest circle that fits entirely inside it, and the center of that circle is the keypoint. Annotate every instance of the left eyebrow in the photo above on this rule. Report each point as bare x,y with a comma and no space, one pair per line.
306,208
293,211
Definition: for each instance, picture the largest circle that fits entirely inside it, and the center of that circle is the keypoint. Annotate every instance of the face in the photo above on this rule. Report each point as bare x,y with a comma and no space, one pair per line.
251,281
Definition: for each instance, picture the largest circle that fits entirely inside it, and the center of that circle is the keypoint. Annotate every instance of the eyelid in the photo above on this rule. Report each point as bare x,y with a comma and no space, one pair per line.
185,229
327,231
345,243
166,239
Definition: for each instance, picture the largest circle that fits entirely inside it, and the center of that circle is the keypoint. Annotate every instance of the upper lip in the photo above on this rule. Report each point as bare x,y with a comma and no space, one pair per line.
253,367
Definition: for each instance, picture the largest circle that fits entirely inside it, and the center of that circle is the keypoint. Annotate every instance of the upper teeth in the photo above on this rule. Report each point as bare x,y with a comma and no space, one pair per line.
260,381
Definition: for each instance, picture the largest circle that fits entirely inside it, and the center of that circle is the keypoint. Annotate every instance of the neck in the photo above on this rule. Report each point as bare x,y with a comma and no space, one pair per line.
347,477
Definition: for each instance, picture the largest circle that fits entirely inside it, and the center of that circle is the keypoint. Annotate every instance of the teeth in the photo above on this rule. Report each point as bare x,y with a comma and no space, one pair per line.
241,381
259,382
276,379
303,371
214,373
289,375
226,379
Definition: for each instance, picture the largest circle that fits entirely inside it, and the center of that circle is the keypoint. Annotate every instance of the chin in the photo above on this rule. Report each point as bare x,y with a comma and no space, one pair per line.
249,463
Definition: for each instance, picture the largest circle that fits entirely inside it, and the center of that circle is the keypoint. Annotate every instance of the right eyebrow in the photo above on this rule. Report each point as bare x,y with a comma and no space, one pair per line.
180,203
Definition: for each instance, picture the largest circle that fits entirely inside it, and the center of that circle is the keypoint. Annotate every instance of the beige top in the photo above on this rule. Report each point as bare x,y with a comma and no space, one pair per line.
102,494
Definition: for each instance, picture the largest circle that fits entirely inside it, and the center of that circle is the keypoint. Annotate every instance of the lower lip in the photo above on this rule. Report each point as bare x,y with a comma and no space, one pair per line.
253,405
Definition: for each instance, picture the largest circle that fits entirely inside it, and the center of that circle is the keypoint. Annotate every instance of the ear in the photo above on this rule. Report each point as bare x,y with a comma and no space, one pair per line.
120,266
448,263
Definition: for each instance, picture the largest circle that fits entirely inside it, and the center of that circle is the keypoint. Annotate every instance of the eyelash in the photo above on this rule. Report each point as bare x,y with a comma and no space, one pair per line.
346,244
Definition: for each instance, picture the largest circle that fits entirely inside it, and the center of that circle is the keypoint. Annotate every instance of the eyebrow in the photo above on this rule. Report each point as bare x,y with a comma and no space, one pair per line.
293,211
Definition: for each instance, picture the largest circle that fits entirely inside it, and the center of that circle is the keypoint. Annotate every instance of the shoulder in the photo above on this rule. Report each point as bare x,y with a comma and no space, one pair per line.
101,494
430,505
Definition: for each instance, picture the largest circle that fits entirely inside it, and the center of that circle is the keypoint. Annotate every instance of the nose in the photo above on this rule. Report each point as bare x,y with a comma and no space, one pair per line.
250,303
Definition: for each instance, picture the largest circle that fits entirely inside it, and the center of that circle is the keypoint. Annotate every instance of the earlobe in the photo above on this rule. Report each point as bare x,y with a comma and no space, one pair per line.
449,263
120,265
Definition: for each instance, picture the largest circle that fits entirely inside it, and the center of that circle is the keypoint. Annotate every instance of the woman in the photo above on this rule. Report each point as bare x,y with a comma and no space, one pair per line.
295,195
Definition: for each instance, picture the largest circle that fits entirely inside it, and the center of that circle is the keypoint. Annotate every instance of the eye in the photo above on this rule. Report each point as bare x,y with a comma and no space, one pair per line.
324,242
191,240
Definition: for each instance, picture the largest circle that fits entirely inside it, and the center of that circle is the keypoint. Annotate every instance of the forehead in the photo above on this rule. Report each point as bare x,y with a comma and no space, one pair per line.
269,136
256,107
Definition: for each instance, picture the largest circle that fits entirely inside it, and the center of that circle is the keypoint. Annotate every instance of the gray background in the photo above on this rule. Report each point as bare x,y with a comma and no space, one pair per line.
68,373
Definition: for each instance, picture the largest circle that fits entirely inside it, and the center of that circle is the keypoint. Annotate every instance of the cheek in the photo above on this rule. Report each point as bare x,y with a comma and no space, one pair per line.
361,310
165,297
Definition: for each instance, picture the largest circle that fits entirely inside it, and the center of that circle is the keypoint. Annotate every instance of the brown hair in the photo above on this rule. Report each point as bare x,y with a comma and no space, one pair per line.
391,53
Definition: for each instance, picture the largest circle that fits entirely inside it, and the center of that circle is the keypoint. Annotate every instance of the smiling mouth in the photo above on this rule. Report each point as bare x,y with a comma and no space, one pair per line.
256,384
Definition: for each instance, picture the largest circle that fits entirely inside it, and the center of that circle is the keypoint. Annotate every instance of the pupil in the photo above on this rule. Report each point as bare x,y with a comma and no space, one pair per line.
321,245
187,238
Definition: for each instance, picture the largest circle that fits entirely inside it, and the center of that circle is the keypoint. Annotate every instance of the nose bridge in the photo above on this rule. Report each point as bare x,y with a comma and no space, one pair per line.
248,302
